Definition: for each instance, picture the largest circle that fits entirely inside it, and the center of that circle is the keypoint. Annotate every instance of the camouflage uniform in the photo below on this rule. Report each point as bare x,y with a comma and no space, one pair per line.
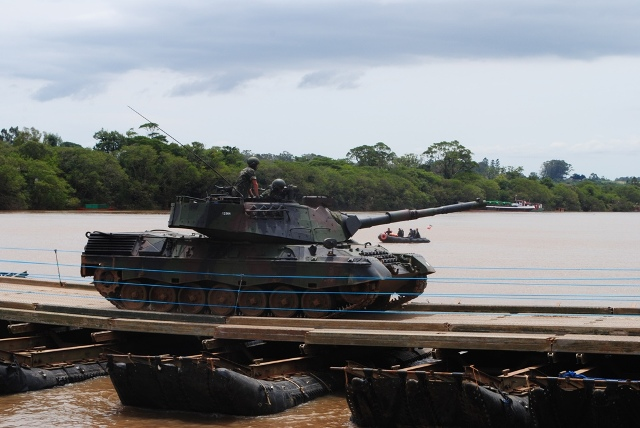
243,184
247,183
275,191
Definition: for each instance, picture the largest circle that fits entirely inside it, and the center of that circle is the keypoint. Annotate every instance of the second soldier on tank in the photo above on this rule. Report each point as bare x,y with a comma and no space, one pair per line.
277,191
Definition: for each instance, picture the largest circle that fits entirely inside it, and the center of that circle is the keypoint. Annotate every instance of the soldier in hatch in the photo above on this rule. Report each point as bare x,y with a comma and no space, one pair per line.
276,191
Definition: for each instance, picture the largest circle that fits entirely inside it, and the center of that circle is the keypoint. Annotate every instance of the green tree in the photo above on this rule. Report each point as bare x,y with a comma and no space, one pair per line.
530,190
514,172
489,169
140,162
9,135
96,176
47,190
555,169
153,131
31,149
177,176
565,197
109,141
591,196
410,160
490,188
29,144
454,191
449,158
13,195
629,192
52,140
378,155
38,171
230,155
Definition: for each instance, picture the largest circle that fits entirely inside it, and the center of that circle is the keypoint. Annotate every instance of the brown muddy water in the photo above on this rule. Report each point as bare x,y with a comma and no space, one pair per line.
551,259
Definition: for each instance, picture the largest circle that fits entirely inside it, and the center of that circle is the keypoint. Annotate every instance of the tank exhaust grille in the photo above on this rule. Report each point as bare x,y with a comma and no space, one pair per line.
379,253
110,244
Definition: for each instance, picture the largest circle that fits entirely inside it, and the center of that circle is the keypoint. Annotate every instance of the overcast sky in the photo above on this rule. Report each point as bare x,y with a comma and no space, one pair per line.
522,81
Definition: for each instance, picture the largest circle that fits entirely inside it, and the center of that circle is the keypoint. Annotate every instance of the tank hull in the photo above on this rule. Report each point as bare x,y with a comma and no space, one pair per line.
171,272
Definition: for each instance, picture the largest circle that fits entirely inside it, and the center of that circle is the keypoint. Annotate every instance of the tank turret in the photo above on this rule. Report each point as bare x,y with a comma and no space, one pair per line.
222,217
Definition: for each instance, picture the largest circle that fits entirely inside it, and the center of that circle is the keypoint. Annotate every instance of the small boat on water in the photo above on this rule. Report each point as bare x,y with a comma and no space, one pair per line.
395,239
413,237
520,205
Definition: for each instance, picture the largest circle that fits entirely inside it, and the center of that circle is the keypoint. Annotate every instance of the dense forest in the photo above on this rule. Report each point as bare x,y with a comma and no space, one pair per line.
144,170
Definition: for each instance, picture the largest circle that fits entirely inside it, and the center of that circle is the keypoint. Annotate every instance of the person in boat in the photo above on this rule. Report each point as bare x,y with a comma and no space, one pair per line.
416,234
400,232
276,191
411,233
389,232
247,183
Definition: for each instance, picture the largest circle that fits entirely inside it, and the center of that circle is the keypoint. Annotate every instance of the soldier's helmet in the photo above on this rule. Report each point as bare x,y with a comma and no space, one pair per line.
253,162
278,184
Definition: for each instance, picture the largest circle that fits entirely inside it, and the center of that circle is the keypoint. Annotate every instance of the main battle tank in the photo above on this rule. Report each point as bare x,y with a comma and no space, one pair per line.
258,257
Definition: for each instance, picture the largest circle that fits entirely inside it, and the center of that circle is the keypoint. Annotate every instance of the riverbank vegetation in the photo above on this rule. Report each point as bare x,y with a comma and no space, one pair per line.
145,170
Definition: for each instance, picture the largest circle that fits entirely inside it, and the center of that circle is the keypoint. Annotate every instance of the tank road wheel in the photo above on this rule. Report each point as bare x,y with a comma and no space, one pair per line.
252,301
106,282
284,301
192,300
317,305
222,300
133,296
356,293
162,299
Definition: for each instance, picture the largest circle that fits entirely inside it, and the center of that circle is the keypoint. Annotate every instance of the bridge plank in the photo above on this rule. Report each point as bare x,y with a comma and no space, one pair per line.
597,331
422,339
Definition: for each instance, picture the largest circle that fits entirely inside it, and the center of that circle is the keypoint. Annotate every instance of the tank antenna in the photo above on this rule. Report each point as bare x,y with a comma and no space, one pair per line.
189,148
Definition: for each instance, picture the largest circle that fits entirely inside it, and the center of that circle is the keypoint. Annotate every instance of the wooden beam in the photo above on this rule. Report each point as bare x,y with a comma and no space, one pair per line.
104,336
471,322
514,309
19,343
23,328
267,333
425,339
48,357
105,323
597,344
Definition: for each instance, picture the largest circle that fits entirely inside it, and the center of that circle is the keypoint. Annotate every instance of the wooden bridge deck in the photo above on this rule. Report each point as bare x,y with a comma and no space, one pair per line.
539,329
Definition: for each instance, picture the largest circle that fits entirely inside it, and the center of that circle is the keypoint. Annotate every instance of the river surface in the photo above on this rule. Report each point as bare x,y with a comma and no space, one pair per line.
551,259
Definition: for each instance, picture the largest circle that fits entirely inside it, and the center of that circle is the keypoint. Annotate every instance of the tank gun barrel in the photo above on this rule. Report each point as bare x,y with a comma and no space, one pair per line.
354,223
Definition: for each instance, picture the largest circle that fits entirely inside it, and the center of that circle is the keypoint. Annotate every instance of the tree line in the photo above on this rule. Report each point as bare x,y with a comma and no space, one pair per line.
143,170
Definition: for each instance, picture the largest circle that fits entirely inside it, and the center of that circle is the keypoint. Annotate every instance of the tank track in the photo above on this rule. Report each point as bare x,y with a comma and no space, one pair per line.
110,288
418,289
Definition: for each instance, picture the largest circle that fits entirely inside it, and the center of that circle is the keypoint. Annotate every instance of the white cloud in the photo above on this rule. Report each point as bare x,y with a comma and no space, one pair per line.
331,79
622,147
521,81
